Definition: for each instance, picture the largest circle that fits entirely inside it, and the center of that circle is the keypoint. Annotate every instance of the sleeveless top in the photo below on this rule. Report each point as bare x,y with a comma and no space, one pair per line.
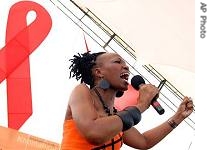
73,139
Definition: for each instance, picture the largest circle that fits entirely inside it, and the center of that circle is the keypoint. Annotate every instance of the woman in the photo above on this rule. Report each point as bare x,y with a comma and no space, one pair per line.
92,122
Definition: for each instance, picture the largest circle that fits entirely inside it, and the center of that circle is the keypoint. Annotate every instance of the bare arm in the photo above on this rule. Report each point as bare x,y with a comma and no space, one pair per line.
148,139
96,130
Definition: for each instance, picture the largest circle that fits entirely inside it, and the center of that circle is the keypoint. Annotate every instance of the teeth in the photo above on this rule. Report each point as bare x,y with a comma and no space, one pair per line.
124,76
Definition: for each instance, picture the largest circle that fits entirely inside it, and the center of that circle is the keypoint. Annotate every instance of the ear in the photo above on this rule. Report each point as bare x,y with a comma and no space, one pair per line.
98,73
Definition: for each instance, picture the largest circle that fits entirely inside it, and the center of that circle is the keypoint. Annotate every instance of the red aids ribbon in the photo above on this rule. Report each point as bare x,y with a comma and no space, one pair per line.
21,41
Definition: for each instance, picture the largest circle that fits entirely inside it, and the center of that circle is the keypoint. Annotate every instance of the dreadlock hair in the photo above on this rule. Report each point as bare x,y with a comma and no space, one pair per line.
82,65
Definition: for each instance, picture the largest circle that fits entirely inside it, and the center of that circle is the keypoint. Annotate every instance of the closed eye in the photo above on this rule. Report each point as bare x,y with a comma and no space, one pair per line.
118,61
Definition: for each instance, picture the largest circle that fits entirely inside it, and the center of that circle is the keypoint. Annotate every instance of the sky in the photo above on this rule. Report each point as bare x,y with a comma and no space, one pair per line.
51,85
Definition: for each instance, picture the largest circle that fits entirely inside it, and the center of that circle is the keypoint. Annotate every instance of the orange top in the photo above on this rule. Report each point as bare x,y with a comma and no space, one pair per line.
73,140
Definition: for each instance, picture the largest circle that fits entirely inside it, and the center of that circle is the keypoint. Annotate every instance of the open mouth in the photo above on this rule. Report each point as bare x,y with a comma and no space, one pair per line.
124,76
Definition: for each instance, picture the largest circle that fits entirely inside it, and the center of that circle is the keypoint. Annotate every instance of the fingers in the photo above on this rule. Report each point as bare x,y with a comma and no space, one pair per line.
186,107
187,112
146,93
188,103
187,100
150,89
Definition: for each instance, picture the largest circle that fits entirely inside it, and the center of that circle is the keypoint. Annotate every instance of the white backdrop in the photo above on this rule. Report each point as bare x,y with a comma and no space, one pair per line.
161,32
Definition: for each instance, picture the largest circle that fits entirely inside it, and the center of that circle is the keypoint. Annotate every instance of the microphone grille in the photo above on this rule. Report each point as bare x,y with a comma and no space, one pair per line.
136,81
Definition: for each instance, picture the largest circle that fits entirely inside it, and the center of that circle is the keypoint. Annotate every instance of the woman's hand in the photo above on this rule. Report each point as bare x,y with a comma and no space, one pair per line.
146,93
185,108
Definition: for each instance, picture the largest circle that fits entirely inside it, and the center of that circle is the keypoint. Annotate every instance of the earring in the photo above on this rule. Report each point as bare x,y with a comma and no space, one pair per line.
104,84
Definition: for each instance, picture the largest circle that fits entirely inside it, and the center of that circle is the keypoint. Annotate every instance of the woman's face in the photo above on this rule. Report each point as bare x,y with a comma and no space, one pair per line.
114,69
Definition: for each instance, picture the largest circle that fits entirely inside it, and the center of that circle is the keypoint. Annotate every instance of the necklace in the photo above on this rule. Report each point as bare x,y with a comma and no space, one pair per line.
106,108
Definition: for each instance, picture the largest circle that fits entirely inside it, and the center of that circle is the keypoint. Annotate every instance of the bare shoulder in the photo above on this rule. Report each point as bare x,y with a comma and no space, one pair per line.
79,99
81,105
81,91
81,87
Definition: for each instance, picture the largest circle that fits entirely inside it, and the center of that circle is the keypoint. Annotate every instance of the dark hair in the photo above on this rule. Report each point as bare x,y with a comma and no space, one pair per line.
82,65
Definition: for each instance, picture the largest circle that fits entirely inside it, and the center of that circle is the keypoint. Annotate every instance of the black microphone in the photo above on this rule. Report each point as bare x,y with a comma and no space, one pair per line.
119,93
136,81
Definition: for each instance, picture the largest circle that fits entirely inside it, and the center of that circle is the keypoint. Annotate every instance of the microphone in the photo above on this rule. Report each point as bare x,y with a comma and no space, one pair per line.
119,93
136,81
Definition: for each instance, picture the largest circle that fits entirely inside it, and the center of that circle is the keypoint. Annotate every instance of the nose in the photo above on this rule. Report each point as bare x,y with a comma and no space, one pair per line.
125,66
